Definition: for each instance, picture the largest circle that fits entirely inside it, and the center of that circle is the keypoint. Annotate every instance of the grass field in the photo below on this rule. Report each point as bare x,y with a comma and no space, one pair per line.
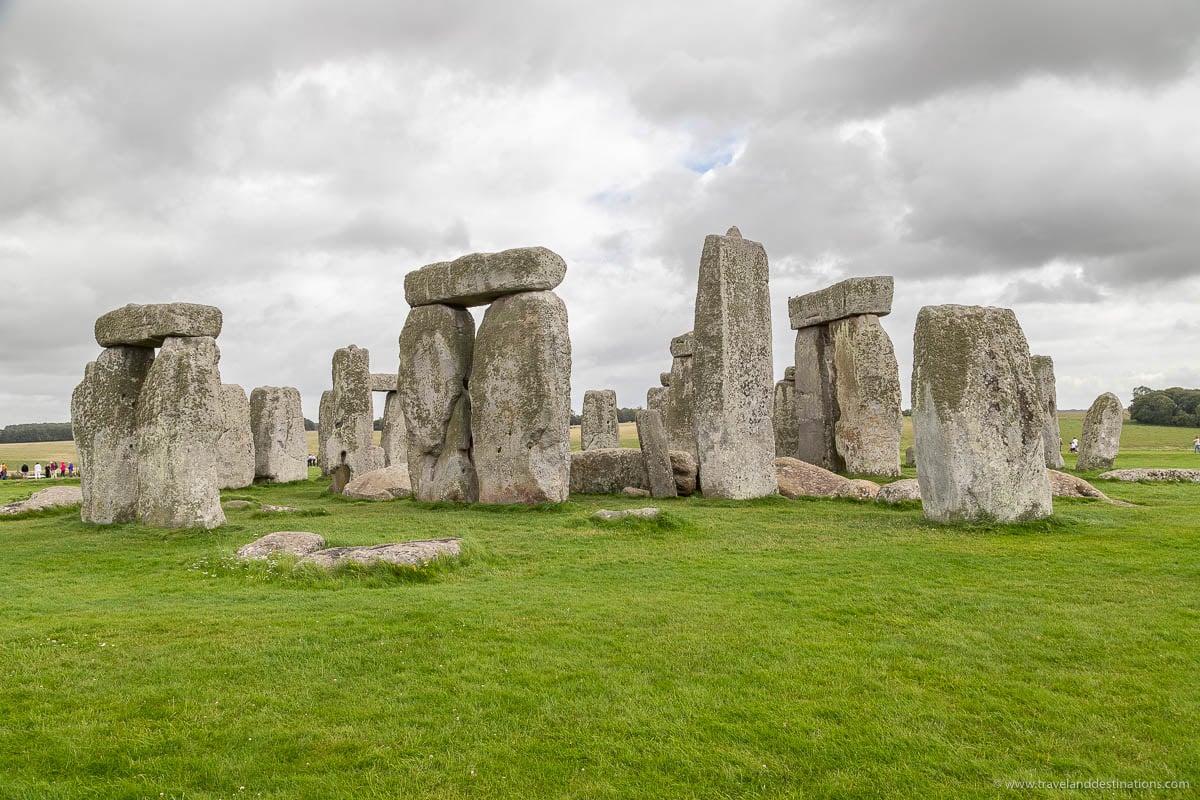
769,648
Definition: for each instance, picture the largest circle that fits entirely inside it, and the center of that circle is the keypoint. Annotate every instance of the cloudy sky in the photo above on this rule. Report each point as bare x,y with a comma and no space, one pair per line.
289,162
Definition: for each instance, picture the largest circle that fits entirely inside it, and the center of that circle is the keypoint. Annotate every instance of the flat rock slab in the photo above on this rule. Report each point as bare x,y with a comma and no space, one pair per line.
236,504
633,491
608,470
382,382
280,509
149,325
52,497
1063,484
1135,475
850,298
294,543
858,489
479,278
388,483
409,554
798,478
899,491
636,513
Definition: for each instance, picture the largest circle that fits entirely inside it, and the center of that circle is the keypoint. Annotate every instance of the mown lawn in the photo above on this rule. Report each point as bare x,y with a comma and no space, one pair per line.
770,648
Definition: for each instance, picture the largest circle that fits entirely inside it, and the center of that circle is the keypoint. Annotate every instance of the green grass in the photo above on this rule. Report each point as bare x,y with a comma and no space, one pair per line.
770,648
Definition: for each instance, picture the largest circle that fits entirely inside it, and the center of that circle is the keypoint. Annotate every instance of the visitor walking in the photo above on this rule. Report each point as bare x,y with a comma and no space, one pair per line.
1196,445
1074,445
24,470
3,472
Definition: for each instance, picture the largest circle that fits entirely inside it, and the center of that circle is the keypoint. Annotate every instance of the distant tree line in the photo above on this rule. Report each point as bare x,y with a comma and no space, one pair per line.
36,432
1175,406
623,415
309,425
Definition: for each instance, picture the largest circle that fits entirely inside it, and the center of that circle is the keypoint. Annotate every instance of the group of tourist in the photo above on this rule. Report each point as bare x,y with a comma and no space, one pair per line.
53,469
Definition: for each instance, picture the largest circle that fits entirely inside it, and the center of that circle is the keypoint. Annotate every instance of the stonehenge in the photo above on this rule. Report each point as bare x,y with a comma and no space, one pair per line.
149,427
977,417
235,446
847,380
598,426
277,423
348,438
652,437
393,437
1101,438
487,414
656,400
1043,374
677,412
732,394
784,416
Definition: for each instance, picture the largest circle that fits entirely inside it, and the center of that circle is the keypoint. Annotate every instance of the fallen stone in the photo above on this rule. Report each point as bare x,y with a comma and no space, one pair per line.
977,417
684,345
859,489
104,424
683,467
1100,440
236,504
480,278
850,298
798,478
652,438
1135,475
903,490
521,400
732,397
280,447
382,382
598,427
437,347
388,483
51,497
633,491
608,471
179,421
293,543
149,325
866,385
1063,484
1043,375
637,513
279,509
408,554
235,446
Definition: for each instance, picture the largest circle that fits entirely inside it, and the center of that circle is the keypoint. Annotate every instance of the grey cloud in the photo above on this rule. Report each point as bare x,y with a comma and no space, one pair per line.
1067,289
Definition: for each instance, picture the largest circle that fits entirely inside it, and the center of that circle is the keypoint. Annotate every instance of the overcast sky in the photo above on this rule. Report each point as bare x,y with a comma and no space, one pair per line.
289,162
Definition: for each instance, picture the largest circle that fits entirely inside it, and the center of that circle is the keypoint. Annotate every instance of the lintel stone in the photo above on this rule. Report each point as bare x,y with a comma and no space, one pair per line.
850,298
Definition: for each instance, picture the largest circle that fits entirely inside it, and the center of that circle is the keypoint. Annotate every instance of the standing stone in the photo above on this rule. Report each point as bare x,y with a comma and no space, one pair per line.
679,418
732,400
382,382
599,426
664,378
1101,438
784,419
480,278
866,383
280,449
324,426
977,417
1043,373
178,425
437,348
352,430
235,448
657,399
816,406
652,438
104,422
910,456
521,400
394,437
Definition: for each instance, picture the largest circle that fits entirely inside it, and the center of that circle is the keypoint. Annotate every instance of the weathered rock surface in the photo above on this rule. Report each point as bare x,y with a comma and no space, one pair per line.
1101,438
816,409
905,489
51,497
910,456
656,400
608,470
678,416
293,543
179,421
866,381
104,423
858,489
664,378
977,417
382,382
732,367
269,509
796,478
1063,484
785,420
637,513
684,345
652,437
393,437
388,483
1134,475
324,426
599,427
280,447
480,278
632,491
683,467
850,298
235,447
237,504
1043,375
437,347
409,554
150,325
352,412
521,400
